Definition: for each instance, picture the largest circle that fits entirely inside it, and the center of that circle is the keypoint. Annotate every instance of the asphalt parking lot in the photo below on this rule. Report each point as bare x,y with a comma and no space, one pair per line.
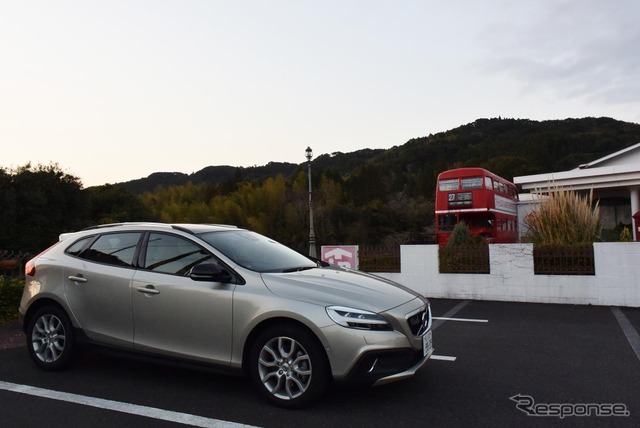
495,364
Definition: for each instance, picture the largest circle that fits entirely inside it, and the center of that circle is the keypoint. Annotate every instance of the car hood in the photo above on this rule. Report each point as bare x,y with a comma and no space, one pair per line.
330,286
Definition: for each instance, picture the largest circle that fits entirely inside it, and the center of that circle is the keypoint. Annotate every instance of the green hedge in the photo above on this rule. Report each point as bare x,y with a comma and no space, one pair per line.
472,258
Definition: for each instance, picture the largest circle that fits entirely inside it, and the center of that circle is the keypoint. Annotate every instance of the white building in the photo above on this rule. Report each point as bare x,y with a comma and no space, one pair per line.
614,179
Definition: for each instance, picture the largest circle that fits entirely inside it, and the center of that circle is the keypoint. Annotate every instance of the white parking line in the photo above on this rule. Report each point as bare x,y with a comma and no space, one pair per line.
448,317
118,406
629,332
459,319
457,308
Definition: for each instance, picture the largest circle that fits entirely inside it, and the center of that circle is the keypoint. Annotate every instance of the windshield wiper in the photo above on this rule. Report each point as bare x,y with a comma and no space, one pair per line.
297,269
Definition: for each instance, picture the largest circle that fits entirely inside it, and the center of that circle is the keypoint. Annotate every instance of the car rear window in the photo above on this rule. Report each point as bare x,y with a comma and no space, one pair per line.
116,249
76,248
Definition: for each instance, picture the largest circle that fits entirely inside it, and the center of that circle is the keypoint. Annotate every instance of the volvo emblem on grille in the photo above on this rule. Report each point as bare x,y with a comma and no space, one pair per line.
424,323
419,322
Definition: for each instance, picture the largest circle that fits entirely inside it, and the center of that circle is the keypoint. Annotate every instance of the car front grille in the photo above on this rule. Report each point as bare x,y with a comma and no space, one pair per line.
419,322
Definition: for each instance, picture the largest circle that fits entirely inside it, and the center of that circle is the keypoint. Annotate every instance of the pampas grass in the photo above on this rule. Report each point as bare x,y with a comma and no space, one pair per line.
564,219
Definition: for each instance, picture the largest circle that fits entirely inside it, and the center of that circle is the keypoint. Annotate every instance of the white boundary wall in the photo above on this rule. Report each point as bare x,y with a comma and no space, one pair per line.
616,282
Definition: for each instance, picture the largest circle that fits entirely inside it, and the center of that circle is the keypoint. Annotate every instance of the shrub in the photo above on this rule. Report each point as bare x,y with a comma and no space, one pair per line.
564,219
464,253
625,235
10,294
460,235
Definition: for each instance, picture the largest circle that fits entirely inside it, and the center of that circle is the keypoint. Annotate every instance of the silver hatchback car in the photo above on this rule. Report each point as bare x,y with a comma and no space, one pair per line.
226,297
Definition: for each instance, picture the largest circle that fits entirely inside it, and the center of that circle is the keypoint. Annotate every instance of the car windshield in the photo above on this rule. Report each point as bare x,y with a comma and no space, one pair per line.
256,252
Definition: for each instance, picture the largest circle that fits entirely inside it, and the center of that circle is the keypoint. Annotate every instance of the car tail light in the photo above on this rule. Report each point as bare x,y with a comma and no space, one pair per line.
30,267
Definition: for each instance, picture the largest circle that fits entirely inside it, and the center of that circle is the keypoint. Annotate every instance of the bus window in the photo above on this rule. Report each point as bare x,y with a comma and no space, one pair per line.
451,184
478,221
446,222
472,183
488,184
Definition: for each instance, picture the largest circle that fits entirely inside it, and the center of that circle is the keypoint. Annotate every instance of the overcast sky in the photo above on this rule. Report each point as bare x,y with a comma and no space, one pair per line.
116,90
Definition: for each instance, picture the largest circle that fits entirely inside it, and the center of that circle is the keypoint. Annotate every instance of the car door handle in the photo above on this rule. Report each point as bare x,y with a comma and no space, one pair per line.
149,289
78,278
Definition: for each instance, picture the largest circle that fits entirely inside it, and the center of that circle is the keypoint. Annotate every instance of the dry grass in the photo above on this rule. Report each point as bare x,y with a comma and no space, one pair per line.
565,218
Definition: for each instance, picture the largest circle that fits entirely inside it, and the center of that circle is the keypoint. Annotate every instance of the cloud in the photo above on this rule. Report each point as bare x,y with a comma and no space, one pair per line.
576,49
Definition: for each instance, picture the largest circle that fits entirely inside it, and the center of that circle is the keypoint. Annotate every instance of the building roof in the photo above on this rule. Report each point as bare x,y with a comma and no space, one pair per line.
619,169
628,156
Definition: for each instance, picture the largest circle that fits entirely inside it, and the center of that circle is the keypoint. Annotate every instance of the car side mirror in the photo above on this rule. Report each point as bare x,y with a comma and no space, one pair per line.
210,272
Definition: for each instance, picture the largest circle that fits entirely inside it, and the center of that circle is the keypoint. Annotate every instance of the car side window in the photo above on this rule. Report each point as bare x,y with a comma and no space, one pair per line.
173,254
116,249
76,248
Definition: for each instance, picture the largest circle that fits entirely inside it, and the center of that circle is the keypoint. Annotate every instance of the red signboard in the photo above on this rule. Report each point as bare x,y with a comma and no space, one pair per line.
345,256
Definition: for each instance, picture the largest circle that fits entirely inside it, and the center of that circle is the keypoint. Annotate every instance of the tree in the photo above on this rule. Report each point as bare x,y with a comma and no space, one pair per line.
111,204
7,210
46,201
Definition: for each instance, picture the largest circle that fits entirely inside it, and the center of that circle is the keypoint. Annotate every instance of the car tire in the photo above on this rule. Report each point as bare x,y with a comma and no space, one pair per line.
50,339
288,366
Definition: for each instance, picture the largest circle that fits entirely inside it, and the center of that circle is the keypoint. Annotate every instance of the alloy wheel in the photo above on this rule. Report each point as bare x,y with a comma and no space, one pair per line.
284,367
48,338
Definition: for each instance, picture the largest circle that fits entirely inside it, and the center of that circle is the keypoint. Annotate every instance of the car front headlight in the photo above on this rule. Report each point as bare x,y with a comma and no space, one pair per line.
358,318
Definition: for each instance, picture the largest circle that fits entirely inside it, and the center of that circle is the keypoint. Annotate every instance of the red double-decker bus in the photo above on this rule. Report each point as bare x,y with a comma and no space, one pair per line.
483,200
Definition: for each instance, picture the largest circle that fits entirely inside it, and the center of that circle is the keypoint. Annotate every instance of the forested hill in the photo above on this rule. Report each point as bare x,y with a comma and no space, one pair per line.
508,147
367,197
514,147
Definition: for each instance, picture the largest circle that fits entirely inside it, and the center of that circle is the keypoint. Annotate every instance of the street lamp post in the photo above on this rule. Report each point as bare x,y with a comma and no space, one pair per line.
312,235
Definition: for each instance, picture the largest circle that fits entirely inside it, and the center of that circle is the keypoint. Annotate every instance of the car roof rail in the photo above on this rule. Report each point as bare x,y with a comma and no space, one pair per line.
189,228
134,223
